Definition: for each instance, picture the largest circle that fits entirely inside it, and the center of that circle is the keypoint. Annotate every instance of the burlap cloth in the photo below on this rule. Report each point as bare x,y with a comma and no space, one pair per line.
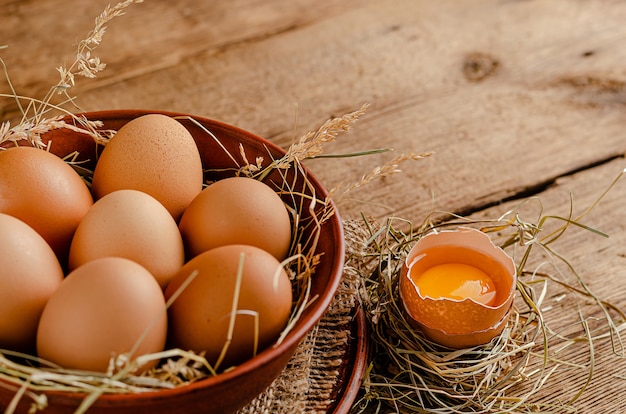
308,383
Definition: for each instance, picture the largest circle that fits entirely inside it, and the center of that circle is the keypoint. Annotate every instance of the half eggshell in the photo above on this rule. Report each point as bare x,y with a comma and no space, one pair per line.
458,323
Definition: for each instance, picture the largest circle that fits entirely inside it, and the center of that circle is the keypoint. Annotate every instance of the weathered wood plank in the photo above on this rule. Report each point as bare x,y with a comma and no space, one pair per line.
150,36
553,103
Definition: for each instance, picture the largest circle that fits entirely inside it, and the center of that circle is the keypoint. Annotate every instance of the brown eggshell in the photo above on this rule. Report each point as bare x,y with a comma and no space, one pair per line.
155,154
134,225
199,318
468,321
103,309
237,210
45,192
466,340
29,275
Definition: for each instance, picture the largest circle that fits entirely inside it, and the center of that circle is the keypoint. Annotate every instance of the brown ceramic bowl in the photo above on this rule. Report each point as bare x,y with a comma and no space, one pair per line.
232,390
353,367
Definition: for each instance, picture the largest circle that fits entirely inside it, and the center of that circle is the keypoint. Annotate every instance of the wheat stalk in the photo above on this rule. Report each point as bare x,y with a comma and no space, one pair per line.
35,113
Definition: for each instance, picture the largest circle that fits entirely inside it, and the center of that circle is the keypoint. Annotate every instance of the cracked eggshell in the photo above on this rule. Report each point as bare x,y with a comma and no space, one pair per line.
459,323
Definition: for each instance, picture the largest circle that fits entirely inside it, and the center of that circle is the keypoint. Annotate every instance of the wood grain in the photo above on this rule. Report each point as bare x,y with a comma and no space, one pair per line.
514,99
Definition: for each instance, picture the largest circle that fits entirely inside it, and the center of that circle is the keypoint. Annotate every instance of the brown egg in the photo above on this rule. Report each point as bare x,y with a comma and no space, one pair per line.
469,301
154,154
237,210
199,318
134,225
105,308
46,193
29,275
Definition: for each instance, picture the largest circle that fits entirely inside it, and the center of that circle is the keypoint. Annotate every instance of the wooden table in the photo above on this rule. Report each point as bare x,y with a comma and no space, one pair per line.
515,99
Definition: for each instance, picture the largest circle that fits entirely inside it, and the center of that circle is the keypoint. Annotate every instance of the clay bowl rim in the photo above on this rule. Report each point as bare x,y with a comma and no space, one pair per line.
304,325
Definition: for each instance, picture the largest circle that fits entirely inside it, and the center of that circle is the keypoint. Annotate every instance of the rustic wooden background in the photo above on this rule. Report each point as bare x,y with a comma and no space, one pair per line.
515,98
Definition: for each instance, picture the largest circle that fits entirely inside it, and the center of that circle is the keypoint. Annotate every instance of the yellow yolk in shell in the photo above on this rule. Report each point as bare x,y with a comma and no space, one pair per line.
457,281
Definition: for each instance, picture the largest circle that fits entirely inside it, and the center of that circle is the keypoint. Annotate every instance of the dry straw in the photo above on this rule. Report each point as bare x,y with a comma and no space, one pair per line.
39,116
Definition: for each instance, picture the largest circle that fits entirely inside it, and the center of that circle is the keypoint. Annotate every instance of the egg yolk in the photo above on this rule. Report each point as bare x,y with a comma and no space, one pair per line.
456,281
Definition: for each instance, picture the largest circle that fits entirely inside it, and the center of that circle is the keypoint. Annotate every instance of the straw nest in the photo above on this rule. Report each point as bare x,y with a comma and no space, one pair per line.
408,373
